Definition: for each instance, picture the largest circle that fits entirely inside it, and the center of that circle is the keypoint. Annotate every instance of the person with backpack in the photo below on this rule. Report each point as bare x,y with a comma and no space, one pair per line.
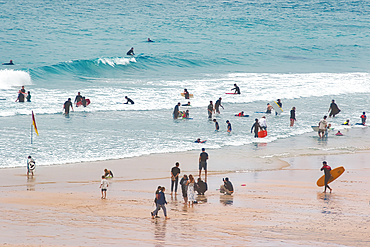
161,201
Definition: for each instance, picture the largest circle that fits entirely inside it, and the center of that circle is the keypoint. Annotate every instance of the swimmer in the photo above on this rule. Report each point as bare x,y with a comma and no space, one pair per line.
130,52
216,125
218,104
149,40
66,106
10,63
338,133
269,108
228,126
346,122
240,114
198,140
129,100
188,104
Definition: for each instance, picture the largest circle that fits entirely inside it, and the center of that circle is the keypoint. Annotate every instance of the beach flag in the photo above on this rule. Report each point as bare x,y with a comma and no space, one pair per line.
34,123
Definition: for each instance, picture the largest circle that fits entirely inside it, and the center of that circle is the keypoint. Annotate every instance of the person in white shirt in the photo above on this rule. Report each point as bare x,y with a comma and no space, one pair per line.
322,127
104,186
263,123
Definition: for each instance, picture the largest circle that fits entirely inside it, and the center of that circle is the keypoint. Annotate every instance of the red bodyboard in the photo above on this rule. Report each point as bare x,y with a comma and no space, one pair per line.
79,103
262,134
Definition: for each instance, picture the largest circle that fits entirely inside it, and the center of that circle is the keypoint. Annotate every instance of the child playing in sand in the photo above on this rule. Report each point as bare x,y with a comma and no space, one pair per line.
103,185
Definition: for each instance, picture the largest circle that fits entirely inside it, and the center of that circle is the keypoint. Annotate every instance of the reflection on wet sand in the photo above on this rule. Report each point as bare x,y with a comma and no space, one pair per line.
160,232
227,199
31,183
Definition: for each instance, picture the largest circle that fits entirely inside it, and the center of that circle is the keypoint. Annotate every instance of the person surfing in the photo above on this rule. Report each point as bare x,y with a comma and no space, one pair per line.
10,63
130,52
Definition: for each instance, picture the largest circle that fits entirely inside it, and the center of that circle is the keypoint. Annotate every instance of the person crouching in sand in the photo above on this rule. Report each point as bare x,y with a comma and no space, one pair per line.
161,201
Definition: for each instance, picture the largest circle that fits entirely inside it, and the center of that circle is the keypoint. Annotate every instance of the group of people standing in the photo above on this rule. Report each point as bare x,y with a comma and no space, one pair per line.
23,95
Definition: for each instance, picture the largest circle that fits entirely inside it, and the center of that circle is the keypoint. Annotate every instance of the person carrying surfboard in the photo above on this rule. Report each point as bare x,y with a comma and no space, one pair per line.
236,88
186,94
279,104
326,170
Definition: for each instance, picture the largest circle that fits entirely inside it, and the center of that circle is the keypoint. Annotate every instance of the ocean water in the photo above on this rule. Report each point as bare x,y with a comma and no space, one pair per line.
304,52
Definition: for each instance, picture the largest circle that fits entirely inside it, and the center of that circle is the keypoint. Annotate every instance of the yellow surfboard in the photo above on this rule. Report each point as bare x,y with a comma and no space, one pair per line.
335,173
190,95
277,108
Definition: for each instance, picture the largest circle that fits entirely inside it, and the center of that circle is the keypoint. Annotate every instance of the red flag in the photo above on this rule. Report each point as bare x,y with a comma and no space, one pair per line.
34,123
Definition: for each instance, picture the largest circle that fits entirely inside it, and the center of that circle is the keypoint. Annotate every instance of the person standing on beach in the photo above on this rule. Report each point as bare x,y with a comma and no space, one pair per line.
292,117
161,201
363,118
228,126
326,170
66,106
184,188
176,111
218,104
216,125
31,165
104,186
203,163
323,124
256,126
175,172
333,109
210,109
190,183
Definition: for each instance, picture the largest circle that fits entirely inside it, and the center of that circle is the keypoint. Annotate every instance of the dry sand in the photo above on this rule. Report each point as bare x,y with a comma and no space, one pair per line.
61,205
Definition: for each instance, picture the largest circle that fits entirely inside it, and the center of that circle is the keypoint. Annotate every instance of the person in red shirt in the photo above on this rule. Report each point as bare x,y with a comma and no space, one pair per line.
363,118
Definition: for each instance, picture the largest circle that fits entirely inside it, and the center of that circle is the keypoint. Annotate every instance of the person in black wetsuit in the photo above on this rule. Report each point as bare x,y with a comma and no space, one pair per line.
176,111
66,106
334,110
216,125
83,100
10,63
218,104
236,88
327,170
292,117
188,104
129,100
256,126
279,104
78,97
28,96
149,40
21,95
186,94
130,52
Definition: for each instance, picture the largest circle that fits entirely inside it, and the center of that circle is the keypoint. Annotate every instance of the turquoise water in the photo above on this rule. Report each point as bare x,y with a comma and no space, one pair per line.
304,52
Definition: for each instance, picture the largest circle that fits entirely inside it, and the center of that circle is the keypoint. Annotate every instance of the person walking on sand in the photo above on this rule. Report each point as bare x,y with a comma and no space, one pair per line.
210,109
229,129
156,199
218,104
203,164
190,183
31,165
216,125
363,118
104,186
161,201
256,126
184,188
326,170
333,109
175,172
323,124
292,117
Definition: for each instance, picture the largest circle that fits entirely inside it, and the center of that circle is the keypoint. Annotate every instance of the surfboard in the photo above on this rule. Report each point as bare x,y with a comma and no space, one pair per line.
315,128
262,133
360,124
190,95
260,112
230,93
79,103
276,107
242,116
335,173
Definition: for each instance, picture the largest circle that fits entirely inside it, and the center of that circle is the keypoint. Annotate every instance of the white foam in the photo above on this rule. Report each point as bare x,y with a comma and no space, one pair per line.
116,61
12,78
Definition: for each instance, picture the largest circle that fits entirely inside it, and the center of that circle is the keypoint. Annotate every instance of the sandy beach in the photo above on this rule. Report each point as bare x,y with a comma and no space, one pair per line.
61,205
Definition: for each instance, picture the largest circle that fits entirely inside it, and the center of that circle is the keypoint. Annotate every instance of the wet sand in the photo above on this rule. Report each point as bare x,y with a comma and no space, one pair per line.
61,205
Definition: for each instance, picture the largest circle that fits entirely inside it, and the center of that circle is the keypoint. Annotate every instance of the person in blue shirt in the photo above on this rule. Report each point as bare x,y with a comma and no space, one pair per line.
228,126
216,125
161,201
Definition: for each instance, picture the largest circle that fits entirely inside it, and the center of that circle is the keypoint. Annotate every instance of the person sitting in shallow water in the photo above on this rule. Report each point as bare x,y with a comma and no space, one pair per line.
338,133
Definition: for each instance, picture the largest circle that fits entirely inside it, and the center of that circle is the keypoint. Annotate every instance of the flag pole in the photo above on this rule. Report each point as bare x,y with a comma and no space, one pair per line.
31,133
